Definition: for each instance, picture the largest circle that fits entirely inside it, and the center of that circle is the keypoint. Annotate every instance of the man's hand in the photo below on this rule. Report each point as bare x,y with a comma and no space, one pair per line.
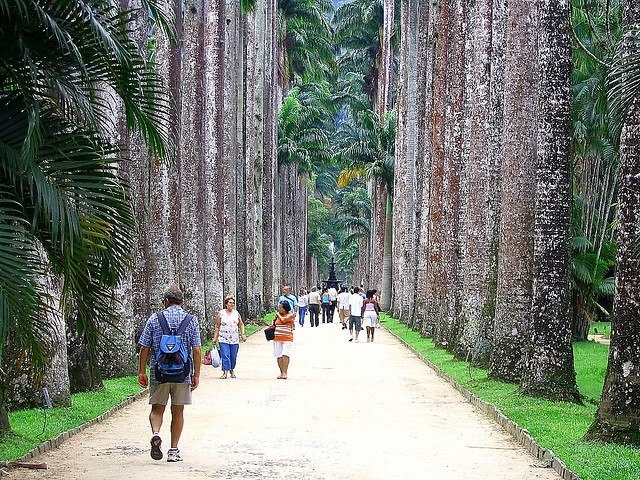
143,379
195,381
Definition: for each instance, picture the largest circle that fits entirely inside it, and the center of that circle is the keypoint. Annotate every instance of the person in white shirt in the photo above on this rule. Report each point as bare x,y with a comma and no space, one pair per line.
314,306
343,306
355,319
303,302
333,300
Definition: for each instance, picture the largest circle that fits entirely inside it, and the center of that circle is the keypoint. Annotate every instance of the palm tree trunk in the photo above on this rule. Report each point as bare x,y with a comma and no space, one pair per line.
427,18
514,289
385,87
386,285
410,106
449,324
480,194
435,285
549,371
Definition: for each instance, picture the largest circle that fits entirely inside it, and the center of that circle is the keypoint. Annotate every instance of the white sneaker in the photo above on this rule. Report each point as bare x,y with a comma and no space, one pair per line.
173,455
356,340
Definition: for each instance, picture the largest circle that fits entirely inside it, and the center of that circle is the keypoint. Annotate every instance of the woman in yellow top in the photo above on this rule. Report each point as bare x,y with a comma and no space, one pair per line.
283,341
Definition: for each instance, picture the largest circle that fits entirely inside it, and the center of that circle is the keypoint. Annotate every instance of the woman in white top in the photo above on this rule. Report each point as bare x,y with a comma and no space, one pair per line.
227,332
370,312
303,302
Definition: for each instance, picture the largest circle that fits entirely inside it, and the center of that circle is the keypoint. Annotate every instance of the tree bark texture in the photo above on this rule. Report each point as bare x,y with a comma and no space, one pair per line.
202,218
448,323
405,165
549,371
479,195
618,416
515,261
383,198
427,18
437,274
374,275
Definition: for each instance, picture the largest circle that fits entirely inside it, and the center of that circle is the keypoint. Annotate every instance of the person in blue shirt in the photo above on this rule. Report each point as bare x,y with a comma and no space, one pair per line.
290,298
159,393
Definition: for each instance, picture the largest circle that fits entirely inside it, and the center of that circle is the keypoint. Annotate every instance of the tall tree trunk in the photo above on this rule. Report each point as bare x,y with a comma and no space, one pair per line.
618,416
385,87
270,259
479,194
515,269
549,370
259,71
427,18
447,331
373,277
410,109
435,307
213,149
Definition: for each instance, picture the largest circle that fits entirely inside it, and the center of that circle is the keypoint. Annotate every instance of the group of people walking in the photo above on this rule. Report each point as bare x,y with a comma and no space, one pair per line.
355,309
171,340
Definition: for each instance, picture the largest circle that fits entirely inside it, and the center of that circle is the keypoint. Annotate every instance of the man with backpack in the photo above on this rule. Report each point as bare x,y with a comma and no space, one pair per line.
170,342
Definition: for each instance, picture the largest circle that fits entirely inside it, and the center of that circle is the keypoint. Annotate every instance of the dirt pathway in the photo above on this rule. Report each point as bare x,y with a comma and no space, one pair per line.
348,411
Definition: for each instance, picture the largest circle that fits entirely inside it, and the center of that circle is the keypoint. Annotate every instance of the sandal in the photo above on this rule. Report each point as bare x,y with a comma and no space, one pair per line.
223,376
282,377
233,375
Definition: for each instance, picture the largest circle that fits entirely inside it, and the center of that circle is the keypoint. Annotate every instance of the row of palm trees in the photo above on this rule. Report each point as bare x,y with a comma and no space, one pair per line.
66,211
602,75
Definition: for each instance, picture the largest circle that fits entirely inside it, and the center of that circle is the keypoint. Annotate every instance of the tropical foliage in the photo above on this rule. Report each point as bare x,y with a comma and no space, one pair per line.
304,126
596,27
65,206
307,39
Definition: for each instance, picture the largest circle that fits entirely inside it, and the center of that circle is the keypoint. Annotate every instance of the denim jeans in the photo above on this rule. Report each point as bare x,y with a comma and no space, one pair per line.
302,312
228,355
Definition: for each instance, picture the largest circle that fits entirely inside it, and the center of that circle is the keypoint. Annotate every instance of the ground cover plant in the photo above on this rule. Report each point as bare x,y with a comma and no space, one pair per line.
558,427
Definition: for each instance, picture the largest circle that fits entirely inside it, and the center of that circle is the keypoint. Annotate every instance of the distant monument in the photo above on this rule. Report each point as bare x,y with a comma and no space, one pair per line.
332,281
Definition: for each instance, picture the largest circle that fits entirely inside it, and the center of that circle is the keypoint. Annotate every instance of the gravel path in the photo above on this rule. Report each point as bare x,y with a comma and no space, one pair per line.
348,411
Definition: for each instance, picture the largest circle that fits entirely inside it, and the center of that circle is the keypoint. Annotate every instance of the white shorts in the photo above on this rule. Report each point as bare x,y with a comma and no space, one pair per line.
282,349
370,319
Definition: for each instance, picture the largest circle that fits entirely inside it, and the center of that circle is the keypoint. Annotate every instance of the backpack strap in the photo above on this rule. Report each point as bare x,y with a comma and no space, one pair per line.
184,324
163,323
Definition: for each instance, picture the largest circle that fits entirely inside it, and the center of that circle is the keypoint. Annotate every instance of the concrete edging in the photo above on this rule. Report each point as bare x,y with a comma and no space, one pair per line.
519,434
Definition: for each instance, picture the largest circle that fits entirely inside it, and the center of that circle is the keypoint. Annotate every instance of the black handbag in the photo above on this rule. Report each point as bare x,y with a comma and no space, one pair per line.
270,333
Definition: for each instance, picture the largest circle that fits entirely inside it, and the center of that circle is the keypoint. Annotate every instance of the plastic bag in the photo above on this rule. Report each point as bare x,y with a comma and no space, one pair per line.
215,357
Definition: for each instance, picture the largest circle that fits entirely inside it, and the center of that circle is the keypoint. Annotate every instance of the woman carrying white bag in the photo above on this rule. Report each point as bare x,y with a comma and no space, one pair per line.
228,331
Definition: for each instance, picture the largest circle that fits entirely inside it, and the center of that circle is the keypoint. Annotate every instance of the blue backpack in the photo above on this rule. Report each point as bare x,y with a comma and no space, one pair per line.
173,362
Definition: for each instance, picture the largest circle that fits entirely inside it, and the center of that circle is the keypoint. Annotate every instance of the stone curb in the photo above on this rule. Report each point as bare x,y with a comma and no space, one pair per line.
58,440
519,434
